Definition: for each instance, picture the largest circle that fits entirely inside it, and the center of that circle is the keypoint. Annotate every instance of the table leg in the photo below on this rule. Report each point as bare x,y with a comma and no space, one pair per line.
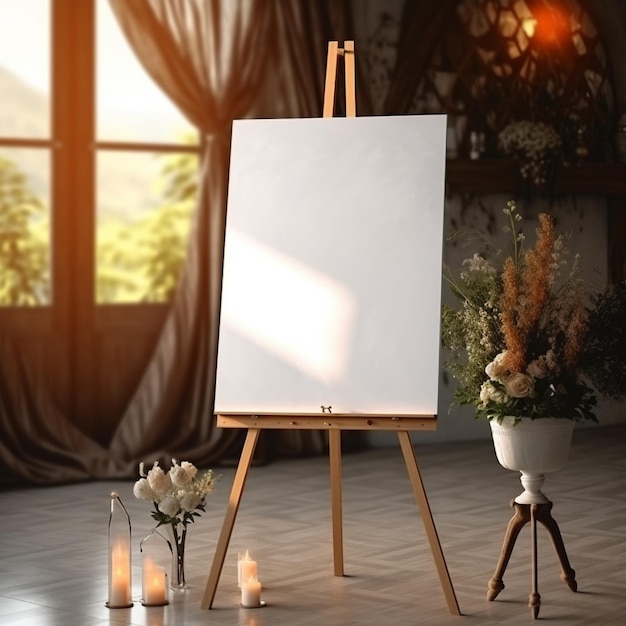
544,515
534,600
516,523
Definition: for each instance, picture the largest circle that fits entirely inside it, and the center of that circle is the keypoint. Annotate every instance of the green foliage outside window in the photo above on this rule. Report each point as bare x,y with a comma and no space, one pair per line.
141,262
24,253
136,262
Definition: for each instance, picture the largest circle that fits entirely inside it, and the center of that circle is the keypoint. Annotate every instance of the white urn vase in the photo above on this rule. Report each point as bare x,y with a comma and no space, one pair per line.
533,448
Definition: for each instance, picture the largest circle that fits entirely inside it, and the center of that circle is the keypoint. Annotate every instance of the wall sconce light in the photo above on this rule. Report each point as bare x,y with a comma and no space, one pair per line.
529,26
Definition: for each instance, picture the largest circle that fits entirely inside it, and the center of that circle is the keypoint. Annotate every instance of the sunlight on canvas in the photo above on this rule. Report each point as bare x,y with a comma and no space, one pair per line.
292,311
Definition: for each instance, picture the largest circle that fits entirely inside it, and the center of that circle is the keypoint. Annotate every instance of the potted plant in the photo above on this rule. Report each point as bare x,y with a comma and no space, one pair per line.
531,344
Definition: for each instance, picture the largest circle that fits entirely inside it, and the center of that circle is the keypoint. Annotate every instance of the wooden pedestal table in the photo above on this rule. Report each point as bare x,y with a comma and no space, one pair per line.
532,513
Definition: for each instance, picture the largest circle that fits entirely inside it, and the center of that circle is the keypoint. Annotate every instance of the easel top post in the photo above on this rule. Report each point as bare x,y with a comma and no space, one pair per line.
331,78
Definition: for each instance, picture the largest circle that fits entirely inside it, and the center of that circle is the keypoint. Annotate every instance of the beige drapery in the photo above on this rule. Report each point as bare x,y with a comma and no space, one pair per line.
218,60
421,26
200,53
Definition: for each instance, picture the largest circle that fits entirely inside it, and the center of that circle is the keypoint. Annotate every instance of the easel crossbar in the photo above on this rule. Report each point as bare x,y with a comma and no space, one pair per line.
328,421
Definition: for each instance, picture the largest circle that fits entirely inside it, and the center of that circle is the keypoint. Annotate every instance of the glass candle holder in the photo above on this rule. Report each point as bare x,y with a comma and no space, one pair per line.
156,555
120,573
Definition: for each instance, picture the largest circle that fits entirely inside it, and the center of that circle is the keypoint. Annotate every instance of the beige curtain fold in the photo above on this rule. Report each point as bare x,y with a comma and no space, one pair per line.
421,26
237,59
202,54
38,444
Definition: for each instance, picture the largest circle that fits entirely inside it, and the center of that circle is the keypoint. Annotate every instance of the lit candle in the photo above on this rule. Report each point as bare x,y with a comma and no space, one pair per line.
247,569
251,593
154,583
119,587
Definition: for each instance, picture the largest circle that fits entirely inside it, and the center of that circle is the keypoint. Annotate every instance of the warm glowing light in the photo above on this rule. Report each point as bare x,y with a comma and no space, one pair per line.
246,568
154,583
287,308
120,580
529,26
121,561
550,26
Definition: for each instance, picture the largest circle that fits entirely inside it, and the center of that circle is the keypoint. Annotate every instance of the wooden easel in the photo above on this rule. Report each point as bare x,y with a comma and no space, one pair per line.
334,423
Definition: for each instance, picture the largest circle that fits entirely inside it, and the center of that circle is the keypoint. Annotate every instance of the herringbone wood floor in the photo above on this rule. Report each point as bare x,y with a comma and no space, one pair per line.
53,564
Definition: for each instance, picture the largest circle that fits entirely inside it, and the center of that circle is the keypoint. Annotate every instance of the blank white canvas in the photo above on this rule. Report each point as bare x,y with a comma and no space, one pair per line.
332,270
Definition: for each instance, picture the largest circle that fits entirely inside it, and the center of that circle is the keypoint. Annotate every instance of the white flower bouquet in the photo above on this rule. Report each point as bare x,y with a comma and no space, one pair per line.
178,495
534,145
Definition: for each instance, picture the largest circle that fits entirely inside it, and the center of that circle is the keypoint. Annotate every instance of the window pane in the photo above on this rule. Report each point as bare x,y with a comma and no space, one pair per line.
25,68
144,204
24,227
131,107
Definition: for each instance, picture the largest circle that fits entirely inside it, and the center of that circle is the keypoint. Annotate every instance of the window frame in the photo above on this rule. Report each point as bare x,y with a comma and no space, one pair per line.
73,148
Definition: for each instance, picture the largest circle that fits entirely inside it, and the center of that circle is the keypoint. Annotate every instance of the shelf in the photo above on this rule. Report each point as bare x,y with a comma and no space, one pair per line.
502,176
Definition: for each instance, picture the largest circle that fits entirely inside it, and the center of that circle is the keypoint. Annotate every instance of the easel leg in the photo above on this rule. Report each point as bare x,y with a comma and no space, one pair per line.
516,523
229,520
334,436
334,442
544,515
427,518
331,79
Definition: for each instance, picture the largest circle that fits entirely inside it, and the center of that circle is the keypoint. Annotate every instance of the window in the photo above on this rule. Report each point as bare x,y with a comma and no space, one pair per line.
145,186
25,154
98,169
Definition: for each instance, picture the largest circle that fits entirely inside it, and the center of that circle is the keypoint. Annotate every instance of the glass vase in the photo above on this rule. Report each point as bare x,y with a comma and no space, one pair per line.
178,537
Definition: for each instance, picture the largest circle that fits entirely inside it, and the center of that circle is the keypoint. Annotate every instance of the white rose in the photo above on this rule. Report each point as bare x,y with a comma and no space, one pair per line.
189,501
497,368
489,392
179,476
485,392
169,506
190,468
159,481
143,491
518,385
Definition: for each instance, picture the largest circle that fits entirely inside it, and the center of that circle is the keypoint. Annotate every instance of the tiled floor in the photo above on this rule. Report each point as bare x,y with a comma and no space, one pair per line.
53,546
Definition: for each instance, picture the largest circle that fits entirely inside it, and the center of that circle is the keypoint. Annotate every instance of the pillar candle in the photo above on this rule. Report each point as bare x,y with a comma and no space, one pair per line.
154,583
251,592
119,587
